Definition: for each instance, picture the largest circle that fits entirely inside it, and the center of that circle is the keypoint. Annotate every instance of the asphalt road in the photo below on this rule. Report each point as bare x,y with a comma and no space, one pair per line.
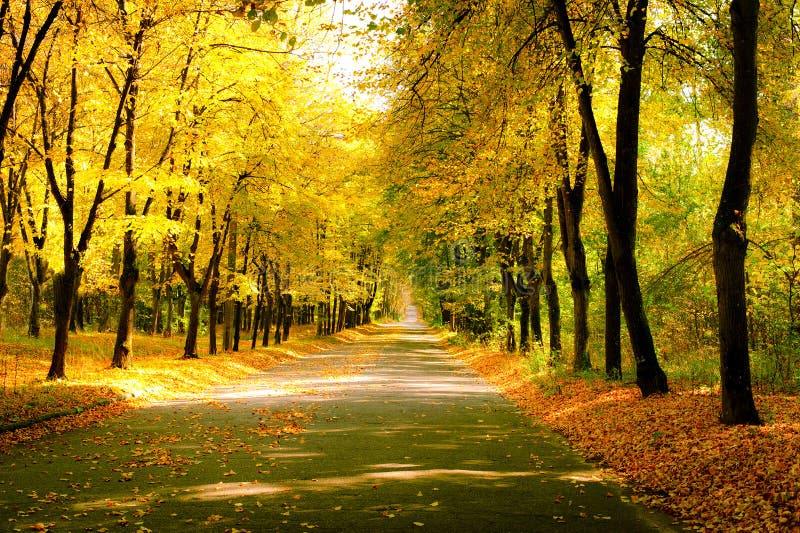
388,433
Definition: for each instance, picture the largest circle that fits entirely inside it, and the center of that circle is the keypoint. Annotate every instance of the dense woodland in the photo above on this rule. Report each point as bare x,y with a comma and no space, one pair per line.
600,185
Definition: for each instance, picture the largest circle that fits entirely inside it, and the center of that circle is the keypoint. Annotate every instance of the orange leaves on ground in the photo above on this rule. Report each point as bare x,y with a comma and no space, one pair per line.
280,423
672,447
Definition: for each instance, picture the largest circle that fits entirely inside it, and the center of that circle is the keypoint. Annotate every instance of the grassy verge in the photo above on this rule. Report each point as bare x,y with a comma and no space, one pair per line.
31,407
670,448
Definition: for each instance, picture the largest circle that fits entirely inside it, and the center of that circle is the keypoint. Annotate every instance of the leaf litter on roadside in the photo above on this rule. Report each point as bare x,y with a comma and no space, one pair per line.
672,447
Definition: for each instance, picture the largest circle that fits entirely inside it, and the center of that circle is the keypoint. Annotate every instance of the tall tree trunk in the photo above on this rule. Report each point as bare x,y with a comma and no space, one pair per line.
190,346
65,285
506,258
181,312
10,207
342,313
524,323
256,325
156,294
34,319
62,310
367,317
730,226
529,283
332,314
213,312
620,199
570,211
287,315
320,319
535,304
550,287
123,347
267,321
228,309
237,325
328,316
35,236
613,322
511,302
158,278
170,309
279,311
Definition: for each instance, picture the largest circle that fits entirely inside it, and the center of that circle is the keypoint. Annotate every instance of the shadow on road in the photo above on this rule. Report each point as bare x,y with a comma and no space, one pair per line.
388,433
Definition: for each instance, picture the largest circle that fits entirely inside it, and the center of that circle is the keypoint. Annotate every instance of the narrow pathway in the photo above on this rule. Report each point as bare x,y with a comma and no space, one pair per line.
388,433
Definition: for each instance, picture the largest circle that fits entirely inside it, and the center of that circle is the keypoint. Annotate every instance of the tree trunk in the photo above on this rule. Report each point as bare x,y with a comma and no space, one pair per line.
156,326
190,346
229,307
730,226
367,317
550,287
157,292
36,264
506,258
279,310
213,291
123,347
256,324
267,325
332,314
237,325
64,287
570,199
34,320
213,311
287,315
5,251
535,304
620,199
342,314
181,312
170,310
613,323
524,323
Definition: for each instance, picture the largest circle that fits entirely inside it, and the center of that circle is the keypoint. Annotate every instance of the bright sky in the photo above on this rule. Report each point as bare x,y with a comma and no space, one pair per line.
349,48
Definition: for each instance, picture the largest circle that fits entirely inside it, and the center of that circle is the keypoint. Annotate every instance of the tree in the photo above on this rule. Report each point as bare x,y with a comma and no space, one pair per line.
35,237
730,226
25,45
134,38
620,199
66,282
570,197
